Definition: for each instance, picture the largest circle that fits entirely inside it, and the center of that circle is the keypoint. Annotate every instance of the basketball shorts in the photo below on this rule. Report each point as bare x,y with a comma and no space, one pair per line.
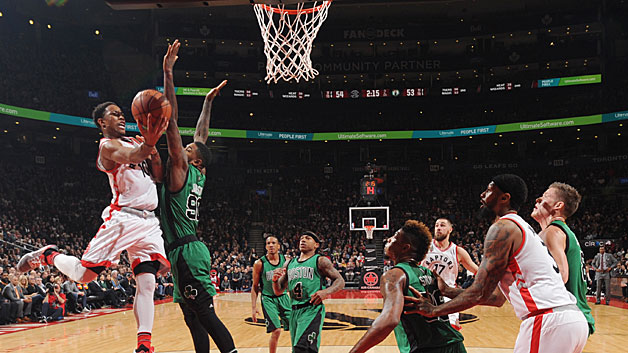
306,325
564,330
276,312
454,318
191,264
135,231
457,347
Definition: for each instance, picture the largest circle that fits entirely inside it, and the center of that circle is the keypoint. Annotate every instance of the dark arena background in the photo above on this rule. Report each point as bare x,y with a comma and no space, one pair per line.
416,106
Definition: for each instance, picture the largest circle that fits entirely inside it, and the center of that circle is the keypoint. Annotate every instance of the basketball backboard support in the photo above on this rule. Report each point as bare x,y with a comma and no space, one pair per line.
359,217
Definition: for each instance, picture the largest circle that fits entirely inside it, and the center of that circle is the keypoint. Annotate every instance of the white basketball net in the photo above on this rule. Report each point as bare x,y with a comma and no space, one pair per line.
288,36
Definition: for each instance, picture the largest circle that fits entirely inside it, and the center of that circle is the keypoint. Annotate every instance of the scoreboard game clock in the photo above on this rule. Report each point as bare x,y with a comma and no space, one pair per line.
368,188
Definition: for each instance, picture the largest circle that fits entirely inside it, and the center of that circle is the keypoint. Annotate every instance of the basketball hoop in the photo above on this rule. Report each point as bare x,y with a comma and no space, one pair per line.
288,39
369,231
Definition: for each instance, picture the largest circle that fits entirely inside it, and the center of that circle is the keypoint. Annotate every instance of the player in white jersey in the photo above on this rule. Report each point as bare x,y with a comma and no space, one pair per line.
444,257
516,261
133,166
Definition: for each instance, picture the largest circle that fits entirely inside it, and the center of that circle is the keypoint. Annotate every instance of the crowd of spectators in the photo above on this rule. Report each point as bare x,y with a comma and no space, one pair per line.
62,204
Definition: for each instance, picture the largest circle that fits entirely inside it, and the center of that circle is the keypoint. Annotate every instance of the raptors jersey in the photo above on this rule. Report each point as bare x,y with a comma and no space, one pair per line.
131,184
443,262
532,282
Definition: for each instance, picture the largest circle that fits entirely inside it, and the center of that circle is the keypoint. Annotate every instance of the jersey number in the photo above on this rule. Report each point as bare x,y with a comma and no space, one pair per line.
439,268
297,291
193,204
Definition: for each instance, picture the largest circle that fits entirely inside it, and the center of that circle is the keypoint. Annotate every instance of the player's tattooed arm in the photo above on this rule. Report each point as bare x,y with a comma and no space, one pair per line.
326,268
280,279
498,246
393,283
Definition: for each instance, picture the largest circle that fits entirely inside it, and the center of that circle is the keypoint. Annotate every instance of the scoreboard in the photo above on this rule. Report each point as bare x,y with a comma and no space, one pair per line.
375,93
368,188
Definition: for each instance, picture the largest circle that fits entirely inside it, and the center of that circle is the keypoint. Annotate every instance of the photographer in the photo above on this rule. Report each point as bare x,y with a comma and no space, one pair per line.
54,303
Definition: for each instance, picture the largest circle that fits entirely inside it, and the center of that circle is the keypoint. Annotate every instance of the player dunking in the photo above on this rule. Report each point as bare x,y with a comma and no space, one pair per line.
413,333
516,260
551,210
444,257
133,166
276,308
304,276
180,199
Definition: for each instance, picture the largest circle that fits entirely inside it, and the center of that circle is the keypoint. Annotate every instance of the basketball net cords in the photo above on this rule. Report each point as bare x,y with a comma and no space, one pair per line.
288,40
369,232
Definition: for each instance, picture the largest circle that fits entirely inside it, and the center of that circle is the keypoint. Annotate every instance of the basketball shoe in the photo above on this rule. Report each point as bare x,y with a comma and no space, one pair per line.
35,258
144,349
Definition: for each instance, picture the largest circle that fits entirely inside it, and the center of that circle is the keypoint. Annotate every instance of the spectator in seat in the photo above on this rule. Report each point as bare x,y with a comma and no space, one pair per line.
54,304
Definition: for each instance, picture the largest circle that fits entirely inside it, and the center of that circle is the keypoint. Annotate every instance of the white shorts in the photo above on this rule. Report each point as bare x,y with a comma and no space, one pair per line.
454,318
135,231
559,331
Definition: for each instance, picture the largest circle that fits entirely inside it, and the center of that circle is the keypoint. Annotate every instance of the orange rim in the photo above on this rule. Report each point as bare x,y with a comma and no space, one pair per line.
295,12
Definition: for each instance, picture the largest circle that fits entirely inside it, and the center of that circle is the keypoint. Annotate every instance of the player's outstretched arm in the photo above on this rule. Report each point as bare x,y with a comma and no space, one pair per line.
202,125
178,163
556,241
497,249
154,163
169,91
280,279
465,259
326,268
392,290
115,152
257,271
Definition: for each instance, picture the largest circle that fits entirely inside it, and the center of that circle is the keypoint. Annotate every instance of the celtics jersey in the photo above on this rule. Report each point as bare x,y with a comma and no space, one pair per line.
179,211
416,333
303,279
576,283
267,274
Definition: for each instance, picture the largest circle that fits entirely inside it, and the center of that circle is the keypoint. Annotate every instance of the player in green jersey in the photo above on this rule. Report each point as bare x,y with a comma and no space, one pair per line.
414,333
179,200
304,278
551,210
276,308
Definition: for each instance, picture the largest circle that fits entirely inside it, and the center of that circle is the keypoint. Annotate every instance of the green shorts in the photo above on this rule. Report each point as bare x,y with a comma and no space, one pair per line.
306,325
276,312
190,266
457,347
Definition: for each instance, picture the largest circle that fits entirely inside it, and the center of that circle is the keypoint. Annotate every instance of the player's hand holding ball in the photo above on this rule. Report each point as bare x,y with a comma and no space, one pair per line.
152,112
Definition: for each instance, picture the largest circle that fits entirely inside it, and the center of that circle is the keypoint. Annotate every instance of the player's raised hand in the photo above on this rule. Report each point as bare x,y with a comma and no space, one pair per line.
155,127
417,304
318,297
141,139
171,55
278,273
214,92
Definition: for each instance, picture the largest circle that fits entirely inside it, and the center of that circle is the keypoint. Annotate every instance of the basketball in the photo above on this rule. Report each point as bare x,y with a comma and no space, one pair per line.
149,101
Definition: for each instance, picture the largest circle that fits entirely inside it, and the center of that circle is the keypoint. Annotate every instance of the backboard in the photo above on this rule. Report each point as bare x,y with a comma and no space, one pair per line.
369,216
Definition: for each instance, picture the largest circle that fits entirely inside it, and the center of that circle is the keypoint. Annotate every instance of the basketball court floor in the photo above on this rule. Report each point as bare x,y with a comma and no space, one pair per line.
349,313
